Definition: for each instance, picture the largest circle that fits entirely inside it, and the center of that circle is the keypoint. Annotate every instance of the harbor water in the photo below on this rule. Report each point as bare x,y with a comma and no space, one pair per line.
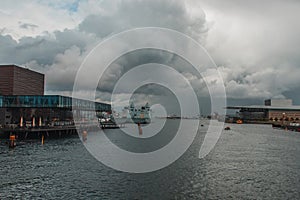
248,162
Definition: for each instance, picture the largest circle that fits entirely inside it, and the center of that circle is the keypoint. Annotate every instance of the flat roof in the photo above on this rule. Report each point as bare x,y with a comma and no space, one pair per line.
21,67
265,107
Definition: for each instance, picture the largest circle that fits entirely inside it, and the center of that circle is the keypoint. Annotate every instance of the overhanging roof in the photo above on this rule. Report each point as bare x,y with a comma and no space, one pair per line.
51,101
292,108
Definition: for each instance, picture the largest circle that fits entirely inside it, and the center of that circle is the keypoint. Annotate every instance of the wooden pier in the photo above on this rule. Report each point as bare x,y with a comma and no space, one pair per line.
47,132
111,125
289,127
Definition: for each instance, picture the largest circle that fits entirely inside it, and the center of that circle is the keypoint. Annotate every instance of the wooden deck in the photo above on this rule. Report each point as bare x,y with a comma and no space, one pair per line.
48,132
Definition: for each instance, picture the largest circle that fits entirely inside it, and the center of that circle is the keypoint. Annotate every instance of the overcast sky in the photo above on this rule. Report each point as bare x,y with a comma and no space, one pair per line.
255,44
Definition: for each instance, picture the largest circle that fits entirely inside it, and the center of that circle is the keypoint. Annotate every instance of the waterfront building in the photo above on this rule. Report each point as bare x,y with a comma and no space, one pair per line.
23,103
273,110
46,110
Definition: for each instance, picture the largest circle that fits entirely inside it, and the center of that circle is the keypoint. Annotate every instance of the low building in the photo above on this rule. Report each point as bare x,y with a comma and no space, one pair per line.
279,102
44,110
273,110
23,103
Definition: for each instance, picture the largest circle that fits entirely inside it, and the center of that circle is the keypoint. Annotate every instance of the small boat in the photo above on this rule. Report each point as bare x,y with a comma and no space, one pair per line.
227,128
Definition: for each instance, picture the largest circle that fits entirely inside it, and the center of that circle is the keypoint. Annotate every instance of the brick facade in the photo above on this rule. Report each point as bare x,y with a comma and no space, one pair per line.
15,80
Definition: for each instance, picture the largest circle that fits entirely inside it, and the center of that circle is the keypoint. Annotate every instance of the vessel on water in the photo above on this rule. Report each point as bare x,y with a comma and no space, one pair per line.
227,128
138,115
130,114
107,121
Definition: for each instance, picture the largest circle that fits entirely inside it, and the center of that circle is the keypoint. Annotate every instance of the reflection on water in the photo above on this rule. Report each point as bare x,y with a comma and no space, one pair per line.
249,161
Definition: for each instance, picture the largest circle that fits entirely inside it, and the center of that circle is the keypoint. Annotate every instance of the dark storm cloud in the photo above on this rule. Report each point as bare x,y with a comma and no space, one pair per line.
59,54
135,13
42,49
254,43
140,57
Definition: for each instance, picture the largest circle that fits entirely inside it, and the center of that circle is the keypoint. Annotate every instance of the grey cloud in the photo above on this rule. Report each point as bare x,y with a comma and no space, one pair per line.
140,57
256,43
135,13
42,49
27,25
59,54
2,30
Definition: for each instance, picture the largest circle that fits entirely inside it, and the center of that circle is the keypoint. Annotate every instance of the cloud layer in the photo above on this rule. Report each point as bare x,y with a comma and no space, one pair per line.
255,44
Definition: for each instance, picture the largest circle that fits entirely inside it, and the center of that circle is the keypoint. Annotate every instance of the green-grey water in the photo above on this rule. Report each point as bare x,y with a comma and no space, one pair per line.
248,162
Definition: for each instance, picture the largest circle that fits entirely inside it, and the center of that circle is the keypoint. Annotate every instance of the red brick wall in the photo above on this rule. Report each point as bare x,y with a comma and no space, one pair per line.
16,80
27,82
6,80
287,114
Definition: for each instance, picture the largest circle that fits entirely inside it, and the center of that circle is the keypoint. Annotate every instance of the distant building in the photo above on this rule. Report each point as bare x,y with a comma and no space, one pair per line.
278,102
273,110
15,80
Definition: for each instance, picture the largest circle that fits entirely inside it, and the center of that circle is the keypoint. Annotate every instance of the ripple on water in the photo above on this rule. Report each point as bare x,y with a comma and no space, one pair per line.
249,162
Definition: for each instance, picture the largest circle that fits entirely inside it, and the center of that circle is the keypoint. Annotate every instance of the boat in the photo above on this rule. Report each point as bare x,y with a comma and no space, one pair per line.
107,121
139,115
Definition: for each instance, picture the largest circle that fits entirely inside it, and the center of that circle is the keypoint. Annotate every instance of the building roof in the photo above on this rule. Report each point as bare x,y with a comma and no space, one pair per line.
20,67
265,107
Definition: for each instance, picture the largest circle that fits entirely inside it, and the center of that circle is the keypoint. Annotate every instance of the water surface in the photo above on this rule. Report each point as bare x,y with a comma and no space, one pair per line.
248,162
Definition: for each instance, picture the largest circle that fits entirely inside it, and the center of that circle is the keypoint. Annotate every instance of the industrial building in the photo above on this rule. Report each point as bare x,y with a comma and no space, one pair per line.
23,103
273,110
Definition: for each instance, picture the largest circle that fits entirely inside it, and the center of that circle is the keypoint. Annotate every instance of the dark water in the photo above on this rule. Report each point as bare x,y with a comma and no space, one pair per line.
248,162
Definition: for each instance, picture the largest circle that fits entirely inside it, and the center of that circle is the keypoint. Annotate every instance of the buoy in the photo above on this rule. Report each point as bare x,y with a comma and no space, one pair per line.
12,141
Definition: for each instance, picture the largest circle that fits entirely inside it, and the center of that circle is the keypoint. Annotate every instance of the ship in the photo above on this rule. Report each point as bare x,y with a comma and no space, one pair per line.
139,115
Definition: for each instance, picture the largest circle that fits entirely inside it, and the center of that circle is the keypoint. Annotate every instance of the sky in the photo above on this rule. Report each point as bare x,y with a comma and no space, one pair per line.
254,44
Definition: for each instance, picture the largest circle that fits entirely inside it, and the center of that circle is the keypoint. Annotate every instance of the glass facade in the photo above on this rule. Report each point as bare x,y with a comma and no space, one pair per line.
51,101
